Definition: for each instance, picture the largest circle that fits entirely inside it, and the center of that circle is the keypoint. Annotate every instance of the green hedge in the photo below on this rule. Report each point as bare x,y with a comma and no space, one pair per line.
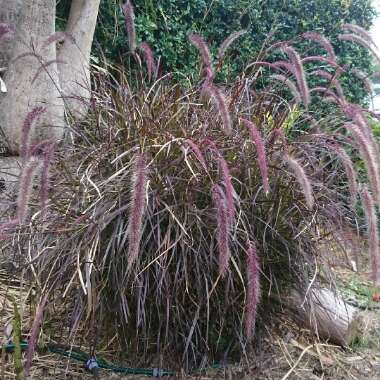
165,25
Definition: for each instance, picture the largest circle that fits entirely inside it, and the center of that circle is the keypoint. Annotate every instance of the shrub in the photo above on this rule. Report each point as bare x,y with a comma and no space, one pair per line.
179,206
166,24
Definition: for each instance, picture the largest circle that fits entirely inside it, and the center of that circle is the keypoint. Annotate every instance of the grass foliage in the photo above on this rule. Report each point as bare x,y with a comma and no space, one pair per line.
176,214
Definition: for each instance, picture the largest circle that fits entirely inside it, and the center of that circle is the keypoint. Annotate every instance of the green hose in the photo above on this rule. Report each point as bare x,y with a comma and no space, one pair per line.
101,363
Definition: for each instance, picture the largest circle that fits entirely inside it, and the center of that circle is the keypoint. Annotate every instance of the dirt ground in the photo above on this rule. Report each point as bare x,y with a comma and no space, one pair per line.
286,351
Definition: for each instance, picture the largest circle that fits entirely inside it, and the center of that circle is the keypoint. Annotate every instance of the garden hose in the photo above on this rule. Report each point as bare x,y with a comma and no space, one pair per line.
93,364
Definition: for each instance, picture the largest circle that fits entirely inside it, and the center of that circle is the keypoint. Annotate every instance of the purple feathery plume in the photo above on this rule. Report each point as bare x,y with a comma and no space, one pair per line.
197,152
45,65
26,131
7,227
299,73
228,42
373,235
350,172
202,47
209,144
58,37
129,15
222,229
327,93
320,58
321,40
369,158
284,66
209,78
291,86
34,332
364,78
25,187
5,29
220,100
326,75
277,45
137,209
302,179
260,149
356,29
253,289
149,58
360,41
226,177
46,148
361,121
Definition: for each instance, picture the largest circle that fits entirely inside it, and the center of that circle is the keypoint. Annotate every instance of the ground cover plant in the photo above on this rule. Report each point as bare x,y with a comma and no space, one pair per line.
178,216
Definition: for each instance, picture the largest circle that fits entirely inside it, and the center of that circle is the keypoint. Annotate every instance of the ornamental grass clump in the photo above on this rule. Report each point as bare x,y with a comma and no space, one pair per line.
166,235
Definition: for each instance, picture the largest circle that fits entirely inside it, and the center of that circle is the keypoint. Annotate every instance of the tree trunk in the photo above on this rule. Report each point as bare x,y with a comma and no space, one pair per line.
9,14
75,72
328,316
25,91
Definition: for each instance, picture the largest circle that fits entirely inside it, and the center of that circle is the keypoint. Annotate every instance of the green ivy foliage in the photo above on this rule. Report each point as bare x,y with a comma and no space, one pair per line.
165,24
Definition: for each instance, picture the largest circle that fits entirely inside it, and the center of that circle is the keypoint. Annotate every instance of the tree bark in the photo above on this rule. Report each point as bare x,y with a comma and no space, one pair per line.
74,74
25,91
9,14
328,316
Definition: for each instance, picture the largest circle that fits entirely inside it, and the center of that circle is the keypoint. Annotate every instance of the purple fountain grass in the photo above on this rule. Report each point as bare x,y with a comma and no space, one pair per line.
227,183
59,37
323,41
129,15
361,121
34,332
253,290
369,158
228,42
281,65
203,49
26,131
277,45
25,187
220,101
45,66
261,153
210,144
328,93
5,29
278,65
197,152
360,41
322,59
47,148
137,208
350,172
291,86
356,29
329,77
149,58
7,227
222,229
299,73
364,77
28,54
373,235
209,78
302,179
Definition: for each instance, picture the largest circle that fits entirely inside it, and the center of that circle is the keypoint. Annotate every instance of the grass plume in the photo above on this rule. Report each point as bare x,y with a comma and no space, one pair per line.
253,289
137,208
222,233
